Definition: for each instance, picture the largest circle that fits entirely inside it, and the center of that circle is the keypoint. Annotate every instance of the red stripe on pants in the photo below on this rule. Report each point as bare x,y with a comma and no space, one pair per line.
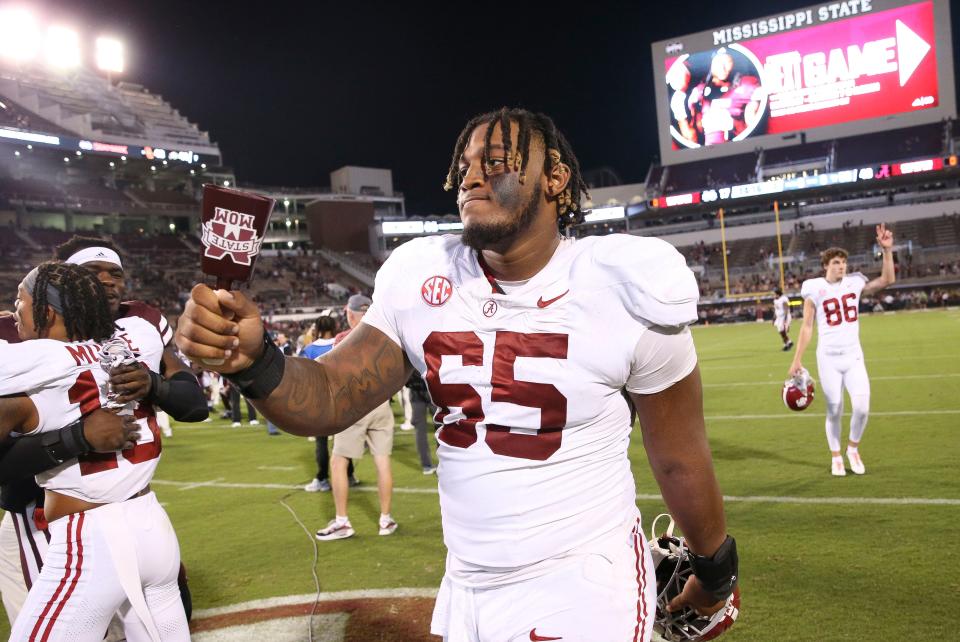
638,633
63,581
24,567
73,582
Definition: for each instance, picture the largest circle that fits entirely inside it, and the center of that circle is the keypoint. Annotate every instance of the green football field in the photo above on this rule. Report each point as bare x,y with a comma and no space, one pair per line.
871,557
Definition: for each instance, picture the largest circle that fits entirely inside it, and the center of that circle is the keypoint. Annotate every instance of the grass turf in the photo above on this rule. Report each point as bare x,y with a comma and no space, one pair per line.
834,570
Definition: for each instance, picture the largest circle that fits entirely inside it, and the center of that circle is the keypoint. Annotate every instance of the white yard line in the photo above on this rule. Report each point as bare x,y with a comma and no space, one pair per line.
705,363
212,482
801,415
886,501
735,384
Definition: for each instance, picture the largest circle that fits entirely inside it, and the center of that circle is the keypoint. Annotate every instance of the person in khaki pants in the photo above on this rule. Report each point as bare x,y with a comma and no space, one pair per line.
375,430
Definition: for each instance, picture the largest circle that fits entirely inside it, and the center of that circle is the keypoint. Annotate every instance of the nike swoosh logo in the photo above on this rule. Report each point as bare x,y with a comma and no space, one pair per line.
542,304
533,632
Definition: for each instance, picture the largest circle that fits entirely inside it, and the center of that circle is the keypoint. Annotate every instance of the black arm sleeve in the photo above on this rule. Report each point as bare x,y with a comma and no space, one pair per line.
32,454
181,396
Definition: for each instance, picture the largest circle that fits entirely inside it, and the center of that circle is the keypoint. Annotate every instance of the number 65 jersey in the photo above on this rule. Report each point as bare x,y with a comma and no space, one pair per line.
527,379
837,305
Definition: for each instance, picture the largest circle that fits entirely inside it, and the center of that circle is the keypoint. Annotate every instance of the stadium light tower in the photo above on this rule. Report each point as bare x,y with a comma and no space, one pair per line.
62,47
110,55
18,34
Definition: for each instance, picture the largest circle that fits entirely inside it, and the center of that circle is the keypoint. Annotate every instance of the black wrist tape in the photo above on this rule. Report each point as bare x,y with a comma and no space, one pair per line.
67,443
180,396
158,388
263,375
718,573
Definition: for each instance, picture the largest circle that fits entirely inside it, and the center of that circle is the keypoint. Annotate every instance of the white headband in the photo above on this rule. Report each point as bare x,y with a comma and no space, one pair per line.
90,254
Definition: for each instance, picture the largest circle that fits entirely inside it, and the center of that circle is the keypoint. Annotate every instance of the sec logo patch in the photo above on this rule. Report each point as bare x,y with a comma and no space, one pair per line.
436,290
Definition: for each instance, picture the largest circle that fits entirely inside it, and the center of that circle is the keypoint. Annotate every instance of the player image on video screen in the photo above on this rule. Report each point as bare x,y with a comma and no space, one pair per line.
715,97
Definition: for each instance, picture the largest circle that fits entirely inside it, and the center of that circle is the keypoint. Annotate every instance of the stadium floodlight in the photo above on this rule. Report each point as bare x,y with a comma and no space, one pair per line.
18,34
110,55
62,47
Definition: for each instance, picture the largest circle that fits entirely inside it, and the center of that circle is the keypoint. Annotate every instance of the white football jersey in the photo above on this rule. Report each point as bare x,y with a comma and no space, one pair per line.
534,428
837,305
781,307
65,381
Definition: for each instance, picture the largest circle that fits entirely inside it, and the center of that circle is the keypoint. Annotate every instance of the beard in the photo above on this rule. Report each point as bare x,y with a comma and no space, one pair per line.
487,235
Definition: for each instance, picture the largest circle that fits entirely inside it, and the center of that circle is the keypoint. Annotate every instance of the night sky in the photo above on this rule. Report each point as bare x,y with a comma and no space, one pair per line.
291,91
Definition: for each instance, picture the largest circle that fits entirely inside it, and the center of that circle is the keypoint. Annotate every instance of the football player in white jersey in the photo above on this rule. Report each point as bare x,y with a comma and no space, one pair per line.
525,340
173,388
834,301
111,544
781,317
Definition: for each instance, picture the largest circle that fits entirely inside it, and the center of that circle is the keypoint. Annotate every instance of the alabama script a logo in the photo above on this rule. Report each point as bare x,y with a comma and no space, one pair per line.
231,233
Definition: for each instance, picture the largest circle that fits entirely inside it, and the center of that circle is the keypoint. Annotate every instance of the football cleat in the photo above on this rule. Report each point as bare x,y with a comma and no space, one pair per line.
856,463
671,561
798,391
836,467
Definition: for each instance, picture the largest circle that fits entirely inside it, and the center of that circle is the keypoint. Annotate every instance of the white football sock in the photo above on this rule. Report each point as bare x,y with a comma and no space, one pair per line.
858,420
834,414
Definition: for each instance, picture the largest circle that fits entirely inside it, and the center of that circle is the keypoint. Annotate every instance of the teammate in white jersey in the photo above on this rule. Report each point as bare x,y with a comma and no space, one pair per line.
781,317
525,340
834,301
112,546
172,388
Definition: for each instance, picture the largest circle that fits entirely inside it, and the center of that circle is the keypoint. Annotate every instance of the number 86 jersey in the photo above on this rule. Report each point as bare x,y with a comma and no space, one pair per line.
837,305
527,380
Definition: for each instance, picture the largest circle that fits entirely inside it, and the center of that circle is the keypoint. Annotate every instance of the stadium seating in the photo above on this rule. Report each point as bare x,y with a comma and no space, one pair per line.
85,104
161,197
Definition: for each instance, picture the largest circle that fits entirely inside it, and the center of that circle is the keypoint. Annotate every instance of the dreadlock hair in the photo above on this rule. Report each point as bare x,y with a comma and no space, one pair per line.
557,150
76,243
325,325
86,314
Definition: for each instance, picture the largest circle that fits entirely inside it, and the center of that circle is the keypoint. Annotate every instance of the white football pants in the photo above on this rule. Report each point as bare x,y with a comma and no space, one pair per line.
22,549
839,371
121,556
595,597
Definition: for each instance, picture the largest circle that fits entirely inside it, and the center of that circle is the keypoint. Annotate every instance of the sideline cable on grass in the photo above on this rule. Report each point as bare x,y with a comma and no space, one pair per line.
313,568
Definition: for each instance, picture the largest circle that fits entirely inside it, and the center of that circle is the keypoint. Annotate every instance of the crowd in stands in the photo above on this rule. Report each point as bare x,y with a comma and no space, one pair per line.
163,268
752,310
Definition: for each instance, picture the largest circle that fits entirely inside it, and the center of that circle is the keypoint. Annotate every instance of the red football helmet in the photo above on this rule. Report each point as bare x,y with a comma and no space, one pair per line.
671,560
798,391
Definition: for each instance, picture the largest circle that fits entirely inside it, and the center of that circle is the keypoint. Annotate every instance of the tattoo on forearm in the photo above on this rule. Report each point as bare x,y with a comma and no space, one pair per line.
346,384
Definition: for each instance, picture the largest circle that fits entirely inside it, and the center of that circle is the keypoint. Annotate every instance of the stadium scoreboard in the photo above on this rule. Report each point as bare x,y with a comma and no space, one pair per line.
816,73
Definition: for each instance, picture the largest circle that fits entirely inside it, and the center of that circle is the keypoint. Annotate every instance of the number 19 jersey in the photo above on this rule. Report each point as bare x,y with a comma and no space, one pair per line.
65,382
837,305
527,378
